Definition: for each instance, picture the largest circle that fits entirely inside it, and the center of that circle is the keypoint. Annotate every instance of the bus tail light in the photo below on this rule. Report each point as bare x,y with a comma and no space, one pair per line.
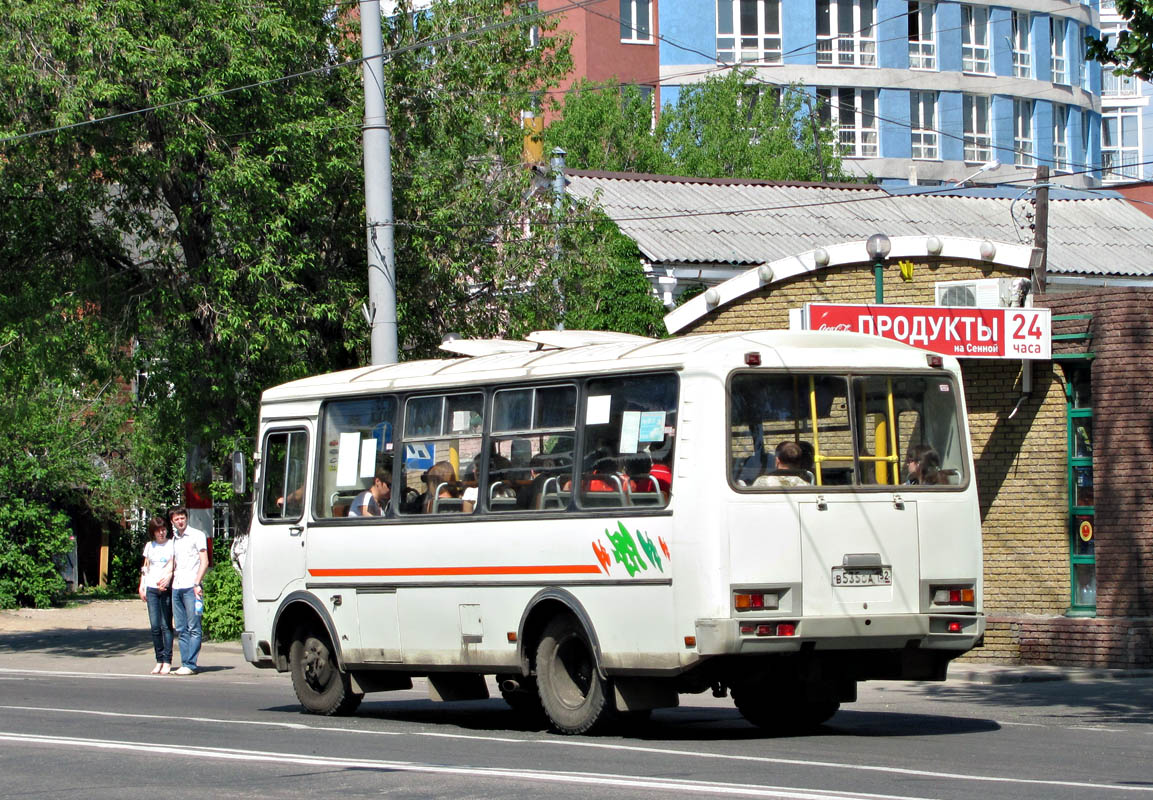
954,627
953,596
749,601
935,360
769,629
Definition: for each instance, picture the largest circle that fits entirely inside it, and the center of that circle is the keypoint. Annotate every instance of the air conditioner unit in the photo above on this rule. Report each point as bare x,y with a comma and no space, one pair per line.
982,293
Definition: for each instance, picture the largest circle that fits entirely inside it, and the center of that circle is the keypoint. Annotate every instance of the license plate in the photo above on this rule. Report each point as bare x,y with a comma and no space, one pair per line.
862,576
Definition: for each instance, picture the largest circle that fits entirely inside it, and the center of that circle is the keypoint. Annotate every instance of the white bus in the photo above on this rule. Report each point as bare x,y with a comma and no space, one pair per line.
604,522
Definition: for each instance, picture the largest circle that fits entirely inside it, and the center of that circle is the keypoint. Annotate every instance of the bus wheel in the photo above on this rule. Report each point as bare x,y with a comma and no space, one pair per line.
778,715
320,685
574,695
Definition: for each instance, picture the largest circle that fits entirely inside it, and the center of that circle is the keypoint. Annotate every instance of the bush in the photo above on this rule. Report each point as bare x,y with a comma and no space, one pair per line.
32,537
223,607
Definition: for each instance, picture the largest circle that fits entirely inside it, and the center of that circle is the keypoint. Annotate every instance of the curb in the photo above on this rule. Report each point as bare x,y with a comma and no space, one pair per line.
1003,675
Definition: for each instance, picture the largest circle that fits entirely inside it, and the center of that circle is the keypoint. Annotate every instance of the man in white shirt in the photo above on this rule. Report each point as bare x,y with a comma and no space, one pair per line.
190,553
373,502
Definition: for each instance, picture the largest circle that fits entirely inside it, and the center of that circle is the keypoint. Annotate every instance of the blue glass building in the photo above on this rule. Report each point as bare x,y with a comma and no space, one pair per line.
919,92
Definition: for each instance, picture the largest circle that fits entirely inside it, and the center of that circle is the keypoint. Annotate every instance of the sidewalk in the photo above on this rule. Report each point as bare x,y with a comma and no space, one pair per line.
113,636
104,636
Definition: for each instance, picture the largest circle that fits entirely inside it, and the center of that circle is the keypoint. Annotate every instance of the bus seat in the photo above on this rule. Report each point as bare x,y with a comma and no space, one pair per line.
341,509
647,492
602,490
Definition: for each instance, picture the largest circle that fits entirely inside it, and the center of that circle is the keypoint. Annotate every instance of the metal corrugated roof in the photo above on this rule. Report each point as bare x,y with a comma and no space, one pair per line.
684,221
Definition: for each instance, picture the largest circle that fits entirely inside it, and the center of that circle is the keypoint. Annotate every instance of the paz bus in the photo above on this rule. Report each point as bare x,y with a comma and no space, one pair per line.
602,522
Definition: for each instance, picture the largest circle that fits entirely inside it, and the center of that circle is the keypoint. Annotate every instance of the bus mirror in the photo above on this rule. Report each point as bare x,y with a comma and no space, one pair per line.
238,478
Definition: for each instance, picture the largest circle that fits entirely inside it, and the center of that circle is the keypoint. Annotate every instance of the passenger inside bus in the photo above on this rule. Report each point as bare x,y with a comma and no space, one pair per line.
789,469
373,501
442,491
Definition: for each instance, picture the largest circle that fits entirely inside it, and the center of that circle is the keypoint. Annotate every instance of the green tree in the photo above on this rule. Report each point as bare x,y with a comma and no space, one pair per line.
728,126
215,246
607,127
1132,52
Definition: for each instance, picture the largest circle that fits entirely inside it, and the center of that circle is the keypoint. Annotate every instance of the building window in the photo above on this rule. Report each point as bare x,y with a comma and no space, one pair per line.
923,124
978,140
1022,60
1082,57
855,113
1060,140
1023,133
845,34
975,39
636,21
1120,143
1082,519
749,30
1114,85
922,36
1057,50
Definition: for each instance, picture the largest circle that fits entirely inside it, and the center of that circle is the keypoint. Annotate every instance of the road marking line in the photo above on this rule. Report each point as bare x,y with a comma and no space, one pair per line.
616,746
619,781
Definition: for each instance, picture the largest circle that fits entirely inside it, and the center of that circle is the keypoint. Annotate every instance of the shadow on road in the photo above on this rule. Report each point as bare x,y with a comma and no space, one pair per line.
1111,702
78,642
686,723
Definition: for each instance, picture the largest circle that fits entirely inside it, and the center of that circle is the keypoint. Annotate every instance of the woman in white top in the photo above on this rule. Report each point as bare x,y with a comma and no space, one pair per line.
156,591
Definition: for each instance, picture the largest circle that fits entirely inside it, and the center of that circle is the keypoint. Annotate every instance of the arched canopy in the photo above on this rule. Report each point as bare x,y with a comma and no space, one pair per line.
1003,254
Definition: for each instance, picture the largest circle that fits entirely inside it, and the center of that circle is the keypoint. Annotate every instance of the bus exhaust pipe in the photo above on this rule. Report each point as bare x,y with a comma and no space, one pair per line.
510,685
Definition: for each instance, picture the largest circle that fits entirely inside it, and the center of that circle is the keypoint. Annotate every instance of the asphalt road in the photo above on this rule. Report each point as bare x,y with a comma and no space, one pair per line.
78,716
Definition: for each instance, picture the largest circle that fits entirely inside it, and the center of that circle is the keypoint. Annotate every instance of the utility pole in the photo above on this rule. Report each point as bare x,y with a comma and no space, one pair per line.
1041,228
557,163
378,191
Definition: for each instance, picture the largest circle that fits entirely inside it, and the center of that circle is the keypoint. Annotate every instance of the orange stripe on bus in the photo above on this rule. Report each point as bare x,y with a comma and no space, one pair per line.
378,572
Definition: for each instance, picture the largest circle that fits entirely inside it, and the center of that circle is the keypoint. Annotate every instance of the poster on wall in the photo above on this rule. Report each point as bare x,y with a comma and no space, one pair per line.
1017,333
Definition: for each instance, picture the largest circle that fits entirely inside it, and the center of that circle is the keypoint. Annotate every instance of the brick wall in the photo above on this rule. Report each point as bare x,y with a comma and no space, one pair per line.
1020,464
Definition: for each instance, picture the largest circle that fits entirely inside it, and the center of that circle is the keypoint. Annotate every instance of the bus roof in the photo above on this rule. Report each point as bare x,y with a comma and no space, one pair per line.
720,352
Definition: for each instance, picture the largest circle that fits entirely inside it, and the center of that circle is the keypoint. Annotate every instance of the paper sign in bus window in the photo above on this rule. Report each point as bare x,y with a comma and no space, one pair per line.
652,426
347,458
367,458
630,430
599,407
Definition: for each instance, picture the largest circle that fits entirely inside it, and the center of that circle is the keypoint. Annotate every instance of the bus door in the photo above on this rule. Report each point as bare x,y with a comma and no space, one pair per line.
276,542
859,555
860,548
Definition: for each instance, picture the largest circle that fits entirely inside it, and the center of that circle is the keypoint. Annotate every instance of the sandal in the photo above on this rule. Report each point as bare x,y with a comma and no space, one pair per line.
165,669
156,669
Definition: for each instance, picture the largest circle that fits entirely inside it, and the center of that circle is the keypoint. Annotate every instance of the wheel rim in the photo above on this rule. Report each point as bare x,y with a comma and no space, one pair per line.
572,672
317,664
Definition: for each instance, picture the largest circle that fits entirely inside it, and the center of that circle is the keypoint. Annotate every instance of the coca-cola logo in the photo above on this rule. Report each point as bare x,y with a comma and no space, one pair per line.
842,327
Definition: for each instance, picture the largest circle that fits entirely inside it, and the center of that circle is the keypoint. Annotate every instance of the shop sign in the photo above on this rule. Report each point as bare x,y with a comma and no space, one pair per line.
1017,333
1085,530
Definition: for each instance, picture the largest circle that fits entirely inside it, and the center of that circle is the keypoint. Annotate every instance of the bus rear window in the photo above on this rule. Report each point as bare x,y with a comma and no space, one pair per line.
801,431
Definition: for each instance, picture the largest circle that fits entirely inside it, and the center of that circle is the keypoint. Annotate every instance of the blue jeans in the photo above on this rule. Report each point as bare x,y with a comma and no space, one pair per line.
187,625
160,615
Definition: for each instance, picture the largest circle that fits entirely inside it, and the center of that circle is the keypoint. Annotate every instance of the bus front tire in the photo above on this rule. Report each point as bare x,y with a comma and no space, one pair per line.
574,695
320,685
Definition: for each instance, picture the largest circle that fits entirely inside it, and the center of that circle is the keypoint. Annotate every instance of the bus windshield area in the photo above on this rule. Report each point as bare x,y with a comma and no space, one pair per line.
799,431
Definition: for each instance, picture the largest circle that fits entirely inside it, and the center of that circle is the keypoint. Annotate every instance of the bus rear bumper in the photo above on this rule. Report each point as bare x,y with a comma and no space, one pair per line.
947,632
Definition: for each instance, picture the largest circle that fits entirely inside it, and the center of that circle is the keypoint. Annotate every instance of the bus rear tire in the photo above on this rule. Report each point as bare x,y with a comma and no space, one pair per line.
759,707
574,695
320,685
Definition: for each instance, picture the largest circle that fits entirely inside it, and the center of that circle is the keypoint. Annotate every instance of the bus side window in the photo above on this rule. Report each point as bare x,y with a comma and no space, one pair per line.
630,426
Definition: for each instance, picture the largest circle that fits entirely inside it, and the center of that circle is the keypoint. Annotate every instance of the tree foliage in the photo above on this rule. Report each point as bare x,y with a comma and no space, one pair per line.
1132,51
728,126
181,226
